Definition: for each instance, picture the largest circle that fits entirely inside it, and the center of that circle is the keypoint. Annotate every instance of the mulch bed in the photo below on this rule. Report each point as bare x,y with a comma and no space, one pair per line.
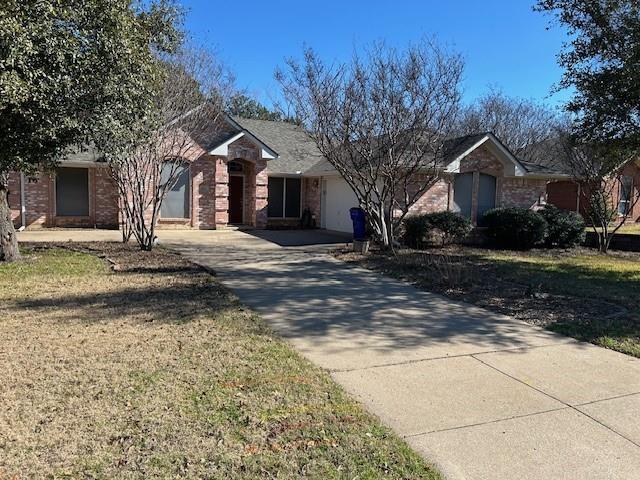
483,285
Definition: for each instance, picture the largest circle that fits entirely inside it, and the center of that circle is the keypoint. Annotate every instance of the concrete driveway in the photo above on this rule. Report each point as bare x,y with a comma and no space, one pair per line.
482,395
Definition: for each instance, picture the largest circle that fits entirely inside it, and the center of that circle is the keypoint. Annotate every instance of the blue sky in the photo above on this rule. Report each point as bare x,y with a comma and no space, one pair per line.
505,44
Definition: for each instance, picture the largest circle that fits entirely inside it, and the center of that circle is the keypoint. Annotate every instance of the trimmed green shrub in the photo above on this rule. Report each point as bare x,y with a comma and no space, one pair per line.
421,230
452,225
515,228
565,229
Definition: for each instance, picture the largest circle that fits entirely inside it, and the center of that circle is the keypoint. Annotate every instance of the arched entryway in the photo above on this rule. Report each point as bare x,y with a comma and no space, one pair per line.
237,183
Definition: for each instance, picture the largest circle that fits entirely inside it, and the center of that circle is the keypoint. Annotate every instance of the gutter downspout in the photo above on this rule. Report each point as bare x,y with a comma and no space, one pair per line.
23,206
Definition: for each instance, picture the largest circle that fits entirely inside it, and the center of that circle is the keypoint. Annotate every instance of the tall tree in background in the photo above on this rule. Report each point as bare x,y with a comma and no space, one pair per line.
521,124
381,120
73,72
246,107
601,63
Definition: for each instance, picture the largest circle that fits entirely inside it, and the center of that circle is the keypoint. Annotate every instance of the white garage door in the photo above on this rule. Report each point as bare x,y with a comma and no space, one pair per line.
337,199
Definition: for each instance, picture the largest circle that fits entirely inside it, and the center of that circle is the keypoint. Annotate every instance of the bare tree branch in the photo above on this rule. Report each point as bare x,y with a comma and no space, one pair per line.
189,102
599,170
381,120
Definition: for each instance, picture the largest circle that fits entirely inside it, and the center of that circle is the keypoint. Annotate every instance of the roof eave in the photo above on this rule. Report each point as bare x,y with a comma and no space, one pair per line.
266,151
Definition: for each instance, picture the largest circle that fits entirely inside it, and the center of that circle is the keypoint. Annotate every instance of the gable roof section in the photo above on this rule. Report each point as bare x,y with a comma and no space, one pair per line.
458,148
234,132
297,153
292,152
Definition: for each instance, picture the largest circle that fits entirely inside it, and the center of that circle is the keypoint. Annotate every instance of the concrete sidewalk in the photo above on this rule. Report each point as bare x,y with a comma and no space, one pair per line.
482,395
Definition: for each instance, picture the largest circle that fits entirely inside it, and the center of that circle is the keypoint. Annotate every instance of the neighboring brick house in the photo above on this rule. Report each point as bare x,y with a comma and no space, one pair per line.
570,195
265,174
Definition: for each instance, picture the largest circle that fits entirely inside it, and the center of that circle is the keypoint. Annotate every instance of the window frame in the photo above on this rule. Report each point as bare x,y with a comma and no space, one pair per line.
56,191
284,199
629,191
187,167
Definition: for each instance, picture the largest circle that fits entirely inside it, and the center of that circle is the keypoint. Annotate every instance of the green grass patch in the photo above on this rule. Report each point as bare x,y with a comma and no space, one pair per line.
157,371
627,228
611,278
607,278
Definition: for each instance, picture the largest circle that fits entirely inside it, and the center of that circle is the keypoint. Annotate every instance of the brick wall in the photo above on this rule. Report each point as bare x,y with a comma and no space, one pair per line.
563,194
105,204
39,192
261,189
39,200
221,192
14,198
523,192
435,199
510,191
203,205
312,197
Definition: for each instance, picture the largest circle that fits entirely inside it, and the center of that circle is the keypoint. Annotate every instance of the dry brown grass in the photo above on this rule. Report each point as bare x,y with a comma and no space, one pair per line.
156,371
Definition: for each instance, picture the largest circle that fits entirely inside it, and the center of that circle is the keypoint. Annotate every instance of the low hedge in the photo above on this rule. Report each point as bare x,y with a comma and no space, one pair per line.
515,228
420,230
564,229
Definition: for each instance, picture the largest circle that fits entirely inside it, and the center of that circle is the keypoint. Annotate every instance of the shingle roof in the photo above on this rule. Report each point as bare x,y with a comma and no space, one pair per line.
544,158
454,147
297,153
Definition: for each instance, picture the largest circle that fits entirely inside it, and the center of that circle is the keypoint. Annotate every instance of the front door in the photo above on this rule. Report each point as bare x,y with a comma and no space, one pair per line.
236,195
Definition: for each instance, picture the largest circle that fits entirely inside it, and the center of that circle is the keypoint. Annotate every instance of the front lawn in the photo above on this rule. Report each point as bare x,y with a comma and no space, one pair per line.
153,370
627,228
579,293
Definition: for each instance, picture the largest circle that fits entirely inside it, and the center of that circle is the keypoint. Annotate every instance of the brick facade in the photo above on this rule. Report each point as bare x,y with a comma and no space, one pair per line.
105,205
510,191
568,195
524,192
40,192
14,198
209,188
436,199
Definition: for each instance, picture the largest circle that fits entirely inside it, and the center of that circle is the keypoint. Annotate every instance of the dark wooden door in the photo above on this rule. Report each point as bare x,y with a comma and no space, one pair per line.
236,195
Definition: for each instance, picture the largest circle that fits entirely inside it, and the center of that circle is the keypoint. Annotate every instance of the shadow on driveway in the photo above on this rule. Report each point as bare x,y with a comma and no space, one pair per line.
301,238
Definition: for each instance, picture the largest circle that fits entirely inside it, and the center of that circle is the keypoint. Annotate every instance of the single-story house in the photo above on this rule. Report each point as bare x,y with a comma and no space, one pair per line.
266,174
573,196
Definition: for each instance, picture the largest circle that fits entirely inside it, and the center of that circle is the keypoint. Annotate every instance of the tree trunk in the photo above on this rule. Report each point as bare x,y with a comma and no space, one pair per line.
8,240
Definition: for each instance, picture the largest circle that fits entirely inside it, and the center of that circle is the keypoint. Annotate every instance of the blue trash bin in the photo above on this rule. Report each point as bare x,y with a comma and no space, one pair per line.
359,224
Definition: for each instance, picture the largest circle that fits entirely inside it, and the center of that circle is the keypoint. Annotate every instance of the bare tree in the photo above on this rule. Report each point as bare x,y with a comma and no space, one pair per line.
190,99
380,120
599,171
524,126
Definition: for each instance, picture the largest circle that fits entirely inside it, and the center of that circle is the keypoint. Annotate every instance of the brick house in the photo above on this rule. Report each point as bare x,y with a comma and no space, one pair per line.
265,174
570,195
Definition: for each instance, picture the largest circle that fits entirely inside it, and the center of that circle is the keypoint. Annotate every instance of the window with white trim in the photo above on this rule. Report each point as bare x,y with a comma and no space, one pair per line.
284,197
626,189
